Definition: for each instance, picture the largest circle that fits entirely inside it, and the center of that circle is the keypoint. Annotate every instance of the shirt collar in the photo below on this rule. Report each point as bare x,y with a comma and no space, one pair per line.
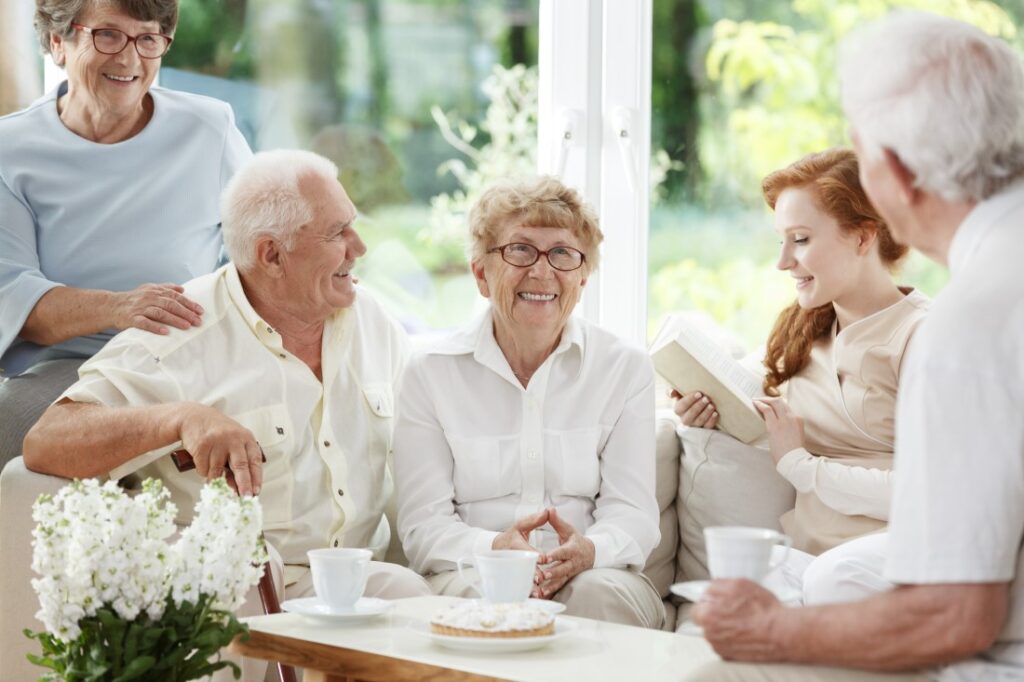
335,327
477,339
980,221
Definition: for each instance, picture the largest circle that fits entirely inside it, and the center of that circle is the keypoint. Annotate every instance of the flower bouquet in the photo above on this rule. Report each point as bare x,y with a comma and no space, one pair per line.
119,602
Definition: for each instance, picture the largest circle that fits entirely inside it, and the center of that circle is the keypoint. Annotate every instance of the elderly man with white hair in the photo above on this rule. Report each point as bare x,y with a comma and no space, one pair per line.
936,109
291,362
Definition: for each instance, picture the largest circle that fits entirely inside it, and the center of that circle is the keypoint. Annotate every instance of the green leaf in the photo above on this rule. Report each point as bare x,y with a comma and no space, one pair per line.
136,668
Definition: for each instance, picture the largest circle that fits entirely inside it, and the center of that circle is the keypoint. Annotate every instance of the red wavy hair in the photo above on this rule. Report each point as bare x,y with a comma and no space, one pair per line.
833,177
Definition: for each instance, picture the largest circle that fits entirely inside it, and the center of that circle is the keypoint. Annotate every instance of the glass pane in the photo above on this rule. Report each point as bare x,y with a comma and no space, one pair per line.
741,88
419,103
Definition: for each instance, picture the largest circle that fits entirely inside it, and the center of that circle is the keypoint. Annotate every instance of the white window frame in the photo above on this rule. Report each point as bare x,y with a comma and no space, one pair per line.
594,122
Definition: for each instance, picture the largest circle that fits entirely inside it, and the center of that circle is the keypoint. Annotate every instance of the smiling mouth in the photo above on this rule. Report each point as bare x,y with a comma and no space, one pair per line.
803,281
120,79
536,298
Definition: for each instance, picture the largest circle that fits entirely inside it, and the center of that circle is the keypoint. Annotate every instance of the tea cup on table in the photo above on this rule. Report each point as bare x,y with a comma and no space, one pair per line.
744,552
505,575
339,575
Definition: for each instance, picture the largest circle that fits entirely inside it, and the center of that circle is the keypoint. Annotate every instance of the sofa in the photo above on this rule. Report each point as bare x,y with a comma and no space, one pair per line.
703,479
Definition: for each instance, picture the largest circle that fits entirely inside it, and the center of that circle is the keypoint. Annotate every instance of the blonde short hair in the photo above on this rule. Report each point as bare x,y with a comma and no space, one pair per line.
533,202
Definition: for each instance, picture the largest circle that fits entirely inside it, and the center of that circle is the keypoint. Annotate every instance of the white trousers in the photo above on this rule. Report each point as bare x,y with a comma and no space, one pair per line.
850,572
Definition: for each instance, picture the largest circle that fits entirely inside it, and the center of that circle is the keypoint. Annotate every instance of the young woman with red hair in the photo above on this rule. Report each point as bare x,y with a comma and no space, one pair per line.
832,360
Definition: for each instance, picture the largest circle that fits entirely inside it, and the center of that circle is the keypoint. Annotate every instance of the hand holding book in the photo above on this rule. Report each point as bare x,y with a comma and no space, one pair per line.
694,409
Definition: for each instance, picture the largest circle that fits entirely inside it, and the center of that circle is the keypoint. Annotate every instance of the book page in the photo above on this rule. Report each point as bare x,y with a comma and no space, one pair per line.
719,363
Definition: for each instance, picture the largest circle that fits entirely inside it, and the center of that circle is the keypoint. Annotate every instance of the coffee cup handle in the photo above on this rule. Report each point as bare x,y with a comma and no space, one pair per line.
788,544
474,584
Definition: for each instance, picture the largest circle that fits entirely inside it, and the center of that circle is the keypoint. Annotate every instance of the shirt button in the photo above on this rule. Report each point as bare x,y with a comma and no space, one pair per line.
280,430
335,543
341,493
280,355
531,455
327,443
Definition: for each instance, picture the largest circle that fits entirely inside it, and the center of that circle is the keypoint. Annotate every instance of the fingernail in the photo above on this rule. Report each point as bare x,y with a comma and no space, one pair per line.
699,395
199,309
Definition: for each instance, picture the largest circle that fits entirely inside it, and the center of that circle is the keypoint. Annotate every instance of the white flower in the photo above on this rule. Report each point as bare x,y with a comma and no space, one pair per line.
95,546
221,554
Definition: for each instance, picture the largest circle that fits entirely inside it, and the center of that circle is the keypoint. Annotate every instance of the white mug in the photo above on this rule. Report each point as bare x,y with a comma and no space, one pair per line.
743,552
339,575
506,575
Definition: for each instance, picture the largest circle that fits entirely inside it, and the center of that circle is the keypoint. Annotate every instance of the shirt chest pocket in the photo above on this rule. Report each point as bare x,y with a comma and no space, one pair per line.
380,403
578,472
483,469
271,426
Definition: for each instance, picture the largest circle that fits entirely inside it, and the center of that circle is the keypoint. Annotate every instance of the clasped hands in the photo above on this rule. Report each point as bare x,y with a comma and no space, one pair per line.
574,554
785,428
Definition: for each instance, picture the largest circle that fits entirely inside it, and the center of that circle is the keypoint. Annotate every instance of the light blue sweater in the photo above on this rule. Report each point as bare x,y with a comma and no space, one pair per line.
108,216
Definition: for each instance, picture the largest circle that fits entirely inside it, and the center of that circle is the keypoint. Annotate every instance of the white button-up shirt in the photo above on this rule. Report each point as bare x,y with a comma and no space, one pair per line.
474,450
326,478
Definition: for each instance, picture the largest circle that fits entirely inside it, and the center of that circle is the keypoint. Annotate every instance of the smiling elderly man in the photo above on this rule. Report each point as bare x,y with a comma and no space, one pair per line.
290,360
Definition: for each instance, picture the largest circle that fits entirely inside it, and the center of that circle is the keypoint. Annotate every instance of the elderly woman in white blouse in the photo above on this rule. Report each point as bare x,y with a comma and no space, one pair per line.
530,428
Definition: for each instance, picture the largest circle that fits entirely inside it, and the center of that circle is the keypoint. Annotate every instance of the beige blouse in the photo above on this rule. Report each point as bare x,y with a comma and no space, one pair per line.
847,398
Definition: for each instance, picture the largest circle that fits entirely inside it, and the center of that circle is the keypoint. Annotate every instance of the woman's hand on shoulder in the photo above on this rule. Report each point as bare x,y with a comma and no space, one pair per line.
785,428
154,307
694,409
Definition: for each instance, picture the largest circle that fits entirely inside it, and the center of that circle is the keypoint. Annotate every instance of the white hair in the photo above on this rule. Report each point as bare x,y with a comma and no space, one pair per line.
944,96
264,200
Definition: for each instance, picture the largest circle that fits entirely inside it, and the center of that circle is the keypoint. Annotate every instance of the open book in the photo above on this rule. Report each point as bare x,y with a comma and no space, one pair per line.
690,361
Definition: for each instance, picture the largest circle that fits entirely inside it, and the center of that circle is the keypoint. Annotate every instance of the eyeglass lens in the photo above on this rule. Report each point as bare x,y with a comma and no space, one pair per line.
560,257
112,41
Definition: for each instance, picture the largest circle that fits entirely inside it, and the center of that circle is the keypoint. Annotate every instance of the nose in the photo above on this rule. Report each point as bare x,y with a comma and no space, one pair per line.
541,269
786,260
355,246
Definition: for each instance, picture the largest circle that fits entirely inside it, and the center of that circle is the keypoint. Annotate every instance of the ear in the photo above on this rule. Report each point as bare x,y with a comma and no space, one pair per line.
904,178
867,235
477,267
270,257
57,49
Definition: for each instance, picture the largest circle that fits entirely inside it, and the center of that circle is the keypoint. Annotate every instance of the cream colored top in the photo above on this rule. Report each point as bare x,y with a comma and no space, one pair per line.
326,477
847,398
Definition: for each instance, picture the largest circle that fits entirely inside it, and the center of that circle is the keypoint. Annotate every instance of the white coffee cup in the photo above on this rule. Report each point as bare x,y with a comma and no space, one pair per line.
506,575
339,575
743,552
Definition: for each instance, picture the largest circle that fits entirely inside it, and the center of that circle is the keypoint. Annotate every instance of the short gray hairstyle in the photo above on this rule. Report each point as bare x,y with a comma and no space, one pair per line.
944,96
56,16
264,200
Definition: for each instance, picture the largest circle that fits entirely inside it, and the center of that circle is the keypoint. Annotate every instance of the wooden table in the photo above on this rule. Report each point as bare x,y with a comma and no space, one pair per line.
387,650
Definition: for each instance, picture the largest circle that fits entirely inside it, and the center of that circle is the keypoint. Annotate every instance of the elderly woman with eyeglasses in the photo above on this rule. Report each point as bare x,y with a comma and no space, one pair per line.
109,191
532,429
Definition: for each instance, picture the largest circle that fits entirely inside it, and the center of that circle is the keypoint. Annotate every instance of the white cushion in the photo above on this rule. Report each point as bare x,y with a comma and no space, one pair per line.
723,482
660,567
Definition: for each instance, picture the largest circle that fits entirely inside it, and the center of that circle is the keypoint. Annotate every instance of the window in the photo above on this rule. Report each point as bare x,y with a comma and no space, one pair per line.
740,89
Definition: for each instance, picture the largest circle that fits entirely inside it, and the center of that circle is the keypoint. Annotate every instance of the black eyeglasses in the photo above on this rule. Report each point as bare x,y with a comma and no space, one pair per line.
112,41
564,258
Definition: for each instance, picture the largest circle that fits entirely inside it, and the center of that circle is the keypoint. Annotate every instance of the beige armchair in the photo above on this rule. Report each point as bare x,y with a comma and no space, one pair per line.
19,488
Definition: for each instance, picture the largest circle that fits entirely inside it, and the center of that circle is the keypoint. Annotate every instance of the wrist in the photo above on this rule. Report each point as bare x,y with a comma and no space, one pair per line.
783,628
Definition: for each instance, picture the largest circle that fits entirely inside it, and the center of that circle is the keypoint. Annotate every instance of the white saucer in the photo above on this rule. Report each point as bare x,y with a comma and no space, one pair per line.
693,590
311,607
563,628
550,605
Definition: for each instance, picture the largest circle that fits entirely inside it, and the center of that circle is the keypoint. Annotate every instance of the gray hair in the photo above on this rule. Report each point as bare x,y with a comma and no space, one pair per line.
945,97
56,16
264,200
